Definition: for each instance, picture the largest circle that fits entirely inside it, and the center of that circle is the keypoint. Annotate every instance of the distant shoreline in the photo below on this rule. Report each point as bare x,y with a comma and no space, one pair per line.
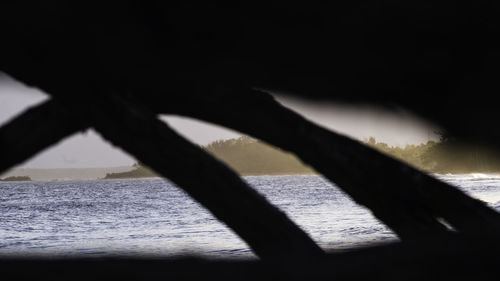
60,175
64,174
250,157
242,175
16,178
472,174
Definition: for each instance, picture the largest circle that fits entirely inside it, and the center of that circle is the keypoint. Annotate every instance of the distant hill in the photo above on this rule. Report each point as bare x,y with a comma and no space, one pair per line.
245,155
248,156
445,156
138,171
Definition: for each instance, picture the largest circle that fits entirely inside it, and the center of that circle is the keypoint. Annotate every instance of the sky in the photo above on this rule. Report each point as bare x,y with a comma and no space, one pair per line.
86,150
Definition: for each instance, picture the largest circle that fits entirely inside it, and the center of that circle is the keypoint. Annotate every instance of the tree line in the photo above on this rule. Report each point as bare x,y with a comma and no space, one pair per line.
248,156
448,155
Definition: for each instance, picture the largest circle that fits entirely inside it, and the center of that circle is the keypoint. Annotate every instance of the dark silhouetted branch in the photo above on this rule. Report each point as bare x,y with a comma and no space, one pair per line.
410,202
33,131
266,229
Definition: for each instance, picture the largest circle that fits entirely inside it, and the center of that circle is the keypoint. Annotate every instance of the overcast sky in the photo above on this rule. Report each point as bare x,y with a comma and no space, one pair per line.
90,150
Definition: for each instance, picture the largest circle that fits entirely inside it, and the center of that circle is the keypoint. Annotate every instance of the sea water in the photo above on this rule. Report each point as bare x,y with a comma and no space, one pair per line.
153,217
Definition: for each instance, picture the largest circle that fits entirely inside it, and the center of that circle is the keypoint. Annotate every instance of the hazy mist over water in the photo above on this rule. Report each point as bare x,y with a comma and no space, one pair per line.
152,217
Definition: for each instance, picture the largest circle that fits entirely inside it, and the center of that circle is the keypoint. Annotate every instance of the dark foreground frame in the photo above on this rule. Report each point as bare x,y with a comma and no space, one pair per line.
409,202
90,87
455,259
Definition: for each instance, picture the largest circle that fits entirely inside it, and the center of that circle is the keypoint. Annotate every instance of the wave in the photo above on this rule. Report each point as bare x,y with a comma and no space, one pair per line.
469,176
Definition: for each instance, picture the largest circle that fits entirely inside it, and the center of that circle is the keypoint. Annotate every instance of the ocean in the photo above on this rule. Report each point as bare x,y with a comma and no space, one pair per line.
153,218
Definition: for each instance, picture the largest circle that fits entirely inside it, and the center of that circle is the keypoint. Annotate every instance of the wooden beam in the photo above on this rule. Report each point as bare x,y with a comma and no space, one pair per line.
267,230
407,200
34,130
